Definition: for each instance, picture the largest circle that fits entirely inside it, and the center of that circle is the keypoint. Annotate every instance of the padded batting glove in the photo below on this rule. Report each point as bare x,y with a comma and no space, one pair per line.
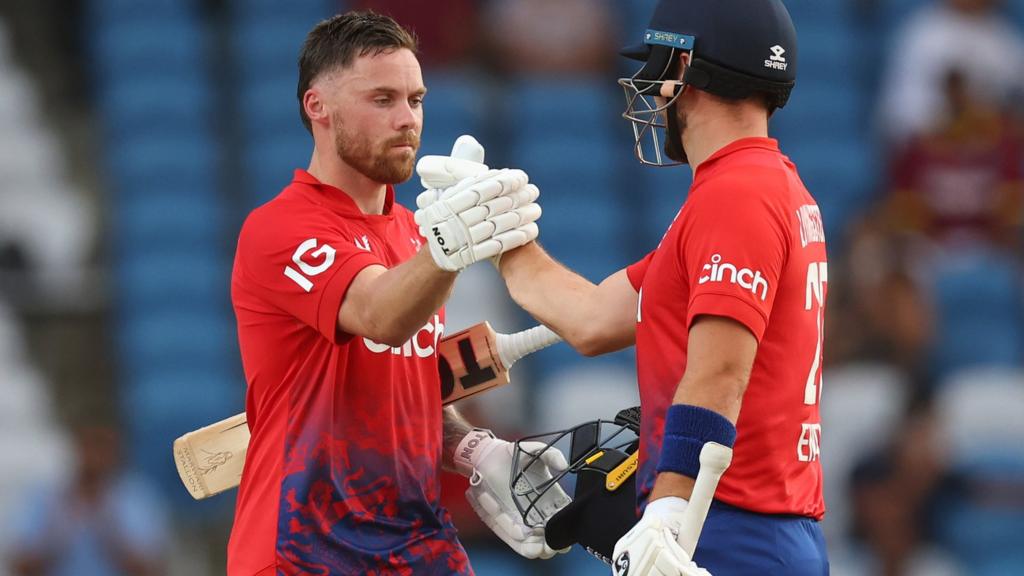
439,174
650,548
487,461
479,218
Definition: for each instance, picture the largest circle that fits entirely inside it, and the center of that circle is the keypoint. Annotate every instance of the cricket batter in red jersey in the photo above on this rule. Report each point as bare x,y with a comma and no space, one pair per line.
338,293
726,313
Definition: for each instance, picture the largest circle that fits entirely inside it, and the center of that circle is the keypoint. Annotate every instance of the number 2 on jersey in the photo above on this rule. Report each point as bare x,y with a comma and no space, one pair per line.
817,278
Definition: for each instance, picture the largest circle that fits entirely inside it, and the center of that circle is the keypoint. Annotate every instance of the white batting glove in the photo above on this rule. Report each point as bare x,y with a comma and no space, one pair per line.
488,463
479,218
650,548
440,172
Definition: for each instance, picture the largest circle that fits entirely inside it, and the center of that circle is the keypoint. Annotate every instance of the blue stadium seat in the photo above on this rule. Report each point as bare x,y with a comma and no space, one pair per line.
269,165
978,413
564,164
166,217
455,104
155,285
269,107
978,302
659,193
841,175
106,11
146,158
315,9
147,46
583,108
176,337
147,104
269,44
821,110
161,407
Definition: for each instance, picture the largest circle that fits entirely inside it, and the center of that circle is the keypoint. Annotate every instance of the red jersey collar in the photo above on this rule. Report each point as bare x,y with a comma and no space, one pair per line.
737,145
337,199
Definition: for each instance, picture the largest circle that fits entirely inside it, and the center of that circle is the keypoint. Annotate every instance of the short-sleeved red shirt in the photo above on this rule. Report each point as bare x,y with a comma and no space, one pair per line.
748,244
342,475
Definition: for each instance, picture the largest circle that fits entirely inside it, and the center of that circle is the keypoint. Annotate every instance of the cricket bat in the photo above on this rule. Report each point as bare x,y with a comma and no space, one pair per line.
714,459
472,361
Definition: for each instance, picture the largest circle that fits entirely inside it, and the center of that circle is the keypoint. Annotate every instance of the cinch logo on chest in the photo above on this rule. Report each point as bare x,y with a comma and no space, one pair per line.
744,277
432,331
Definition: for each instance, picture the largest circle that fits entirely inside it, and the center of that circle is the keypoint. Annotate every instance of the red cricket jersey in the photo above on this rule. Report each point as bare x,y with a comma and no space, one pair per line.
342,475
748,244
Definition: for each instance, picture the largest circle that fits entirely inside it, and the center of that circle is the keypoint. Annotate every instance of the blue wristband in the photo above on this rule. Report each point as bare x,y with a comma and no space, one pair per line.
687,429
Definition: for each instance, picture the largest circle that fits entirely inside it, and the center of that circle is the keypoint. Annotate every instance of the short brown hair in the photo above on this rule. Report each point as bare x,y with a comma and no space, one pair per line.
336,42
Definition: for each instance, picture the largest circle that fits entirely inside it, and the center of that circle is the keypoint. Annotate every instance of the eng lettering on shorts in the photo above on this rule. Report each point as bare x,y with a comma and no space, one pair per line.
423,343
719,271
311,260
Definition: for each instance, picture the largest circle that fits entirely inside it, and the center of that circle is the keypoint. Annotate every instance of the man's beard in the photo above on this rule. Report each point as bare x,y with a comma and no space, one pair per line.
675,124
381,164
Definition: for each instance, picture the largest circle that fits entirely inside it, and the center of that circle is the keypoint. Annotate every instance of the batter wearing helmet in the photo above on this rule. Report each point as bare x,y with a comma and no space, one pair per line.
726,313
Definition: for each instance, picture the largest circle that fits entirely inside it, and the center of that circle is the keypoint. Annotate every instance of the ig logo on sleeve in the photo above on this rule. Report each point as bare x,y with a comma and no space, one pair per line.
325,252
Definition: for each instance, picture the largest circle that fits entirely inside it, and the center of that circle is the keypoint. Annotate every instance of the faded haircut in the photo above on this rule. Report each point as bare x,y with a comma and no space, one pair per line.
336,42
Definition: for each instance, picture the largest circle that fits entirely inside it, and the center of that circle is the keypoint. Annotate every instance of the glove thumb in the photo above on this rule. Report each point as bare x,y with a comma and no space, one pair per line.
465,161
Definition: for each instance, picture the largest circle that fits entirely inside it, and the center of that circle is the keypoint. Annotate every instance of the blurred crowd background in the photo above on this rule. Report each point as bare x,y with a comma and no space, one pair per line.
135,135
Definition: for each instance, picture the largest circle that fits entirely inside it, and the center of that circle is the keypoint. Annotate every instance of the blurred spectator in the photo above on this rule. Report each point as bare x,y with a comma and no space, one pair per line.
540,37
99,522
879,310
447,31
960,183
892,493
970,35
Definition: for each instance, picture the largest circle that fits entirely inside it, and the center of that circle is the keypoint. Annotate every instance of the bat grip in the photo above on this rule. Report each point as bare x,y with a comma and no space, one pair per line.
512,347
714,459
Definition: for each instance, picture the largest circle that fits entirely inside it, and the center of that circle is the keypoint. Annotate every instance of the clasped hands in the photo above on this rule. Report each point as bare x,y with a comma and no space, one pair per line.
469,212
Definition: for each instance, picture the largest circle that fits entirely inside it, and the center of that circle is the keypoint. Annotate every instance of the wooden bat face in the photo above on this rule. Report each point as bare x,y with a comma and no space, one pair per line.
468,363
210,459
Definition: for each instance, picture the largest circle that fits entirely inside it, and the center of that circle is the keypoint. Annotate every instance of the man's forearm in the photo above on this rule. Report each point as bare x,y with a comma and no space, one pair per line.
455,428
592,319
401,300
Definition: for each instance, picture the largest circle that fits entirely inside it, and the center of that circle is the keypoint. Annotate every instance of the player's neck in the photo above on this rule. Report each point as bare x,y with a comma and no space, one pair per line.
368,194
706,134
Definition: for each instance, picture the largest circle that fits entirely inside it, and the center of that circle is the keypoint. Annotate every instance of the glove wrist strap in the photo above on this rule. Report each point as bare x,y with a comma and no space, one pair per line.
468,452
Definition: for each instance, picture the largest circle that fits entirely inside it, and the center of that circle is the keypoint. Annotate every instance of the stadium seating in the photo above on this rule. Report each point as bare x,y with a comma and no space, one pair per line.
983,513
170,260
978,303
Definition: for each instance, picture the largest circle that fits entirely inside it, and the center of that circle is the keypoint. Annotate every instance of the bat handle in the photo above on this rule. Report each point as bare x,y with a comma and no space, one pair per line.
512,347
714,459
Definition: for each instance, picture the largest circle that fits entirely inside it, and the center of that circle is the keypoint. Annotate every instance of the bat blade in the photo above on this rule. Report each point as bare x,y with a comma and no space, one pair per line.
210,459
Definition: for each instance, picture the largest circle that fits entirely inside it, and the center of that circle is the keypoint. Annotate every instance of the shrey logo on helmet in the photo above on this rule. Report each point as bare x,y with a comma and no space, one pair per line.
776,61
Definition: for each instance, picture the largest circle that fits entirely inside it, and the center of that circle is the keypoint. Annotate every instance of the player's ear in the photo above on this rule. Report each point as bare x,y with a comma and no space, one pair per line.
313,104
684,61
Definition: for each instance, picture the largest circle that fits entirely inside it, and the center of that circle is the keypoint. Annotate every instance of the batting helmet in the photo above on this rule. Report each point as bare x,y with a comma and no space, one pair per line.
603,459
737,48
